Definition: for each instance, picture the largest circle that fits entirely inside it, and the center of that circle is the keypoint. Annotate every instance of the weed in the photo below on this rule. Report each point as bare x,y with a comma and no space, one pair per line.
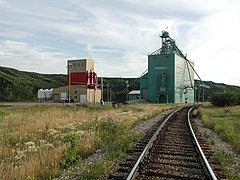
87,144
225,122
115,138
222,158
225,160
1,114
211,142
133,108
227,110
84,105
199,114
96,170
70,156
100,108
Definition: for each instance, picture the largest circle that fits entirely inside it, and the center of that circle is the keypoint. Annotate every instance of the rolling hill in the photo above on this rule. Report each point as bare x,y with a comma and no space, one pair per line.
18,85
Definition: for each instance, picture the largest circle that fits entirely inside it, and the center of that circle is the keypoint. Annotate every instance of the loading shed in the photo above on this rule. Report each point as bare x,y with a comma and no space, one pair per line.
134,94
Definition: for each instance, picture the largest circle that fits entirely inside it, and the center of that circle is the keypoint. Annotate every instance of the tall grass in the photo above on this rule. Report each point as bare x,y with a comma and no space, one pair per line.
36,142
225,122
225,160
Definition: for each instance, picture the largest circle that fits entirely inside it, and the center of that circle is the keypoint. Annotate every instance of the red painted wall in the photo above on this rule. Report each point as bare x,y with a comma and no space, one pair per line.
83,78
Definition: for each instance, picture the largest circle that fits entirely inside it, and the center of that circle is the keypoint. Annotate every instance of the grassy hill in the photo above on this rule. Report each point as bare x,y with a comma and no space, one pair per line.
22,86
18,85
216,88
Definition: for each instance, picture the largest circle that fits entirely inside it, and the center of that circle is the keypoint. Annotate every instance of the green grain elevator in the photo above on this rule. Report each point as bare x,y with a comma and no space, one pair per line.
170,76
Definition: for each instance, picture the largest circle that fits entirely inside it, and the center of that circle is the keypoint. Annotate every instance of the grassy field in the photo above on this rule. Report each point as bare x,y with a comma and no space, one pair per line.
37,142
225,121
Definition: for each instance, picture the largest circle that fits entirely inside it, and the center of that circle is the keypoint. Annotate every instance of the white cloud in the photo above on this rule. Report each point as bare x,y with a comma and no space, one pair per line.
119,35
26,57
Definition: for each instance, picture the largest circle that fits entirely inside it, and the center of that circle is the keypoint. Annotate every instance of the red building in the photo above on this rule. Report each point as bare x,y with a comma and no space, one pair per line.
81,72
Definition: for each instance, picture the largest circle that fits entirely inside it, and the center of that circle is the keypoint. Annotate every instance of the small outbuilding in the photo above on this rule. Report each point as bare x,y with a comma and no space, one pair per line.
79,94
134,94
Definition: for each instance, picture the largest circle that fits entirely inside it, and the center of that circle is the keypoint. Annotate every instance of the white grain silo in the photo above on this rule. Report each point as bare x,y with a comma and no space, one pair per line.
47,94
41,95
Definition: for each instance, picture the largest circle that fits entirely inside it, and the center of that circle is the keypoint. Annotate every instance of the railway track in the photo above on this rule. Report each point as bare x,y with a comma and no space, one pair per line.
169,151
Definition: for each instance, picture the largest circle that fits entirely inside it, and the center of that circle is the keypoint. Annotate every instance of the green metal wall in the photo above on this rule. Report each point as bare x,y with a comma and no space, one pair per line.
144,86
158,64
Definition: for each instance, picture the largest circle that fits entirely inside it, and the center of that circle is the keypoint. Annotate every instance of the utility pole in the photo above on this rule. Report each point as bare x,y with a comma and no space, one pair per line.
107,92
69,80
127,90
110,94
101,90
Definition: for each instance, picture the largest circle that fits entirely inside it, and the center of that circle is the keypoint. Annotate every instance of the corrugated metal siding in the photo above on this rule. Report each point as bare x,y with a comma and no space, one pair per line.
144,86
158,64
182,79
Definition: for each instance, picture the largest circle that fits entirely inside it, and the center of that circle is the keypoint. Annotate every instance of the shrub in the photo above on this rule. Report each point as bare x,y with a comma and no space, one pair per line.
226,99
100,108
115,138
133,108
70,156
96,170
84,105
225,160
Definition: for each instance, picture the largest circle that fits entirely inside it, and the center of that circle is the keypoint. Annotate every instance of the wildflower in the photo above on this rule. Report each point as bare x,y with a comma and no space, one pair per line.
19,155
32,149
29,143
79,133
42,142
52,131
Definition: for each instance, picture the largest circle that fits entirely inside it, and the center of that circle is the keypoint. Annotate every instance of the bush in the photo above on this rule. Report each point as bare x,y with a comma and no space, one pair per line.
115,139
70,156
226,99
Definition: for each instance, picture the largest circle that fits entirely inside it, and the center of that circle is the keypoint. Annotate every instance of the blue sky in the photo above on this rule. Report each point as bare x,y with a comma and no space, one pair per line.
40,35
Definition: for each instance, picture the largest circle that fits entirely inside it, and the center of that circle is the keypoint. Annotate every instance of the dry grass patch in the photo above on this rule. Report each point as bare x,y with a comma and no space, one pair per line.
33,140
42,165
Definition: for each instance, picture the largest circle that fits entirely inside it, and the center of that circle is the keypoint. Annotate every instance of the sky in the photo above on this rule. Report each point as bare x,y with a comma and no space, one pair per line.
41,35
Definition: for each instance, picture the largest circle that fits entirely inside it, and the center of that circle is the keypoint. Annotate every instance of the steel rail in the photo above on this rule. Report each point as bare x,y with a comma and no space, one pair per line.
133,172
202,156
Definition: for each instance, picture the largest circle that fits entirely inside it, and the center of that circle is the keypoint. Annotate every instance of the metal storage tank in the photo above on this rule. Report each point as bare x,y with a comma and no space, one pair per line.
170,77
41,94
47,93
